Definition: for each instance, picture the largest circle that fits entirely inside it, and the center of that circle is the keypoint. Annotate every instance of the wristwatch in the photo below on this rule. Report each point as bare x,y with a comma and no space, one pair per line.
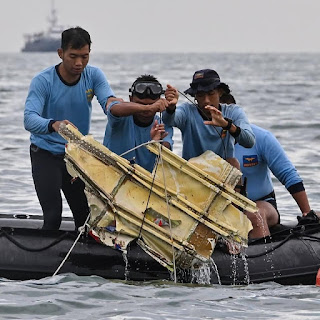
228,126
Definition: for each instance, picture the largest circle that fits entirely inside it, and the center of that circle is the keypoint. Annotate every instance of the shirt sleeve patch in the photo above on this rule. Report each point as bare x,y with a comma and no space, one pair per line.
89,94
250,161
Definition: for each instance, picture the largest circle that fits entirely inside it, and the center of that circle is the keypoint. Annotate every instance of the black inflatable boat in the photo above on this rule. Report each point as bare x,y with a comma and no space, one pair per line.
290,256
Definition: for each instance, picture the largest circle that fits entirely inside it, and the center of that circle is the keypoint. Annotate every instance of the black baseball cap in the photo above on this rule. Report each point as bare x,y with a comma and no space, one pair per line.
203,80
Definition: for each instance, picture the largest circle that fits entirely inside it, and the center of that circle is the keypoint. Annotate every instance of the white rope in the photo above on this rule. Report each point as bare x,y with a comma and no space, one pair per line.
141,145
168,212
166,195
81,230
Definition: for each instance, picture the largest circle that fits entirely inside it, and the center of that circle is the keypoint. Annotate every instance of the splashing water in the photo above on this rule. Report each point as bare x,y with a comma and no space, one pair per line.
246,267
201,275
261,223
127,265
214,268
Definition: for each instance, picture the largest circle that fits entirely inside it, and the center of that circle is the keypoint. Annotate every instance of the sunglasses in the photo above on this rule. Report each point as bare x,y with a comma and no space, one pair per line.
147,89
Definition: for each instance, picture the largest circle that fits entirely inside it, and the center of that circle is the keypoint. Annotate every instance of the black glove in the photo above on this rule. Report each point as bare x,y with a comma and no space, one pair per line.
310,218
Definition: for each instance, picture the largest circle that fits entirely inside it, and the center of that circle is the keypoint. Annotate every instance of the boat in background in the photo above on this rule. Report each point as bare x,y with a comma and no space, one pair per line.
46,41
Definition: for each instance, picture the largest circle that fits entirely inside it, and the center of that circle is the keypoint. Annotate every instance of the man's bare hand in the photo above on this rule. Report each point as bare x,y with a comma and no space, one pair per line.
158,131
56,125
160,105
172,96
217,118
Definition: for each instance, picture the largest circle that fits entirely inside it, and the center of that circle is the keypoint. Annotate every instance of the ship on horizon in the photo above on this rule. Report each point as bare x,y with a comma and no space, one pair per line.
46,41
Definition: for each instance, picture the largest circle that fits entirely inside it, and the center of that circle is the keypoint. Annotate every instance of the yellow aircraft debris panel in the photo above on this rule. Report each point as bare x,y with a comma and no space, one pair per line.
177,213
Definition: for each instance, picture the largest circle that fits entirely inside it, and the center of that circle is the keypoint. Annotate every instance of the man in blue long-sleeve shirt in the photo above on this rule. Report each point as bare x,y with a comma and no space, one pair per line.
130,124
257,163
62,93
208,125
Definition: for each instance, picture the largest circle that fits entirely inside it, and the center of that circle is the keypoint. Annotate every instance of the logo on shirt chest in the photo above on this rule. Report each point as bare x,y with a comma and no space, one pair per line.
250,161
89,94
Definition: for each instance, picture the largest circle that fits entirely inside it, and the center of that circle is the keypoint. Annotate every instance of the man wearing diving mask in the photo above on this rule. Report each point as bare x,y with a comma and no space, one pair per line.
133,123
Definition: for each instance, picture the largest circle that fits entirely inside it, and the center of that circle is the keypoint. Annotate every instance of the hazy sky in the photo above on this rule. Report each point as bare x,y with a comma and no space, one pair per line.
172,25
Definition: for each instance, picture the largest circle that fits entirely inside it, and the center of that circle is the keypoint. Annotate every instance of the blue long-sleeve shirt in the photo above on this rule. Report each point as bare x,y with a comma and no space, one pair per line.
122,134
255,162
198,137
50,98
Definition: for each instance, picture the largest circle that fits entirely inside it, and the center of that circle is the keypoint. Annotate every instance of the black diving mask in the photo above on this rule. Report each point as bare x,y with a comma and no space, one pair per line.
143,90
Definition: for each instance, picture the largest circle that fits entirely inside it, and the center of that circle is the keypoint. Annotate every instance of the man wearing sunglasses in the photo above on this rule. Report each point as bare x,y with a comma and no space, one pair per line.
133,123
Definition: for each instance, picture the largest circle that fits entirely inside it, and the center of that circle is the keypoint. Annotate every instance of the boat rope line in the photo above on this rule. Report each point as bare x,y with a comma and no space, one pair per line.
149,196
293,234
199,109
153,178
23,247
160,117
158,159
81,231
140,145
169,216
271,249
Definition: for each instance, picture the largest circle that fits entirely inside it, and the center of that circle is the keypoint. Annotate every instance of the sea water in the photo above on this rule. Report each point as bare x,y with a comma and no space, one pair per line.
280,92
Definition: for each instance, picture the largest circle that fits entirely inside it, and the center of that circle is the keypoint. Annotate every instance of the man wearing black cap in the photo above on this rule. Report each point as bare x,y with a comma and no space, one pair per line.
208,125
